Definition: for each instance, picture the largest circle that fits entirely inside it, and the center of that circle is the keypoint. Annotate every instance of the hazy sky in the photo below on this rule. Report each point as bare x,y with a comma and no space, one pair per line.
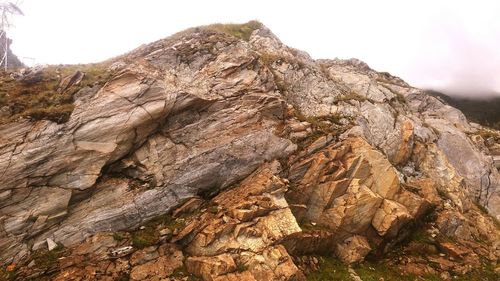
453,45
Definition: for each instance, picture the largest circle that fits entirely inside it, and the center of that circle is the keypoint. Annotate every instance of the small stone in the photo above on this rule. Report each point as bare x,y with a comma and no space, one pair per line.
142,227
145,255
165,232
120,252
445,275
51,245
353,249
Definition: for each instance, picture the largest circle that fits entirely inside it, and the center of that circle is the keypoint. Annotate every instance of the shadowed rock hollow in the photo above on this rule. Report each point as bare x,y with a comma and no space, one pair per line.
219,153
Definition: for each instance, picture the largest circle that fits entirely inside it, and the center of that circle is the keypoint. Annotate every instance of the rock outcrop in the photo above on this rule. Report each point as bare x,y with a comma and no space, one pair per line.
256,153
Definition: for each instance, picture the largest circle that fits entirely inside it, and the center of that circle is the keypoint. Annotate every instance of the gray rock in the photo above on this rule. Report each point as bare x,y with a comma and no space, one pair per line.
51,245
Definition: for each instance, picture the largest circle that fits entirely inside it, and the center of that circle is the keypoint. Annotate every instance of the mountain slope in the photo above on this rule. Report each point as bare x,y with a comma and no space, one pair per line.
220,154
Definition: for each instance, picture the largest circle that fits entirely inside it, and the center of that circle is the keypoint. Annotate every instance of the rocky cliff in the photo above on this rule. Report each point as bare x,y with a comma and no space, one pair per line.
219,153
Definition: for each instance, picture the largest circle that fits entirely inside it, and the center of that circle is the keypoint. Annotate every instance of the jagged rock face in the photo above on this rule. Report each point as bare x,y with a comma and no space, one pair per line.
352,192
211,139
205,115
252,218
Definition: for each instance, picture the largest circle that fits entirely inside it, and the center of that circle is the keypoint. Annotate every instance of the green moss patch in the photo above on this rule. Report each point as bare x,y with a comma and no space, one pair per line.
118,237
150,233
373,271
330,269
145,237
333,269
486,273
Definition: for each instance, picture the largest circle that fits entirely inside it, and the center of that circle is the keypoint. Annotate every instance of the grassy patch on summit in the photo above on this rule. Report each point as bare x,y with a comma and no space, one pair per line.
241,31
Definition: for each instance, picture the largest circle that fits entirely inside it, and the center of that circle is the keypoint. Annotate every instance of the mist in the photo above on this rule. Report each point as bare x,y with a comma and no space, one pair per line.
449,46
460,55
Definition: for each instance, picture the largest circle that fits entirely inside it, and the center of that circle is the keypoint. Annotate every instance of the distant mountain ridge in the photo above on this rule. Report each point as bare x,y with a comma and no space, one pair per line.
485,111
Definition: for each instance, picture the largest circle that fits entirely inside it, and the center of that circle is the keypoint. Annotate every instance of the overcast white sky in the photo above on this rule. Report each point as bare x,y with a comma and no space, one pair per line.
453,45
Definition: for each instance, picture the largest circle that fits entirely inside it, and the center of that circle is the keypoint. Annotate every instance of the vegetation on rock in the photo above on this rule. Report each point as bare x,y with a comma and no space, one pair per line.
38,95
240,31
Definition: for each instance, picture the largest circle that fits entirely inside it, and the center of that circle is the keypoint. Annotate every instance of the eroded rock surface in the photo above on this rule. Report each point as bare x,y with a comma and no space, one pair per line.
261,156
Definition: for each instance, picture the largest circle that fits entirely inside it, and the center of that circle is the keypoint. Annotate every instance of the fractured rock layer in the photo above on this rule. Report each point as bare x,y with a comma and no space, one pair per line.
272,154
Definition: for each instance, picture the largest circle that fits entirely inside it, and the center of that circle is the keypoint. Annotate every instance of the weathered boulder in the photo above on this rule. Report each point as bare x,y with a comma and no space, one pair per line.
248,219
464,156
343,186
349,188
209,268
390,217
353,249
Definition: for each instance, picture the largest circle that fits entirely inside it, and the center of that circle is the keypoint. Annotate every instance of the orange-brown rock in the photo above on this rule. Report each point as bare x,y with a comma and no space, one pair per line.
351,188
353,249
209,268
157,269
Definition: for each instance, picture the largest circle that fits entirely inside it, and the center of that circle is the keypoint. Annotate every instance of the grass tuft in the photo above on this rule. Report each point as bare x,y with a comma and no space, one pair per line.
118,237
330,269
146,237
